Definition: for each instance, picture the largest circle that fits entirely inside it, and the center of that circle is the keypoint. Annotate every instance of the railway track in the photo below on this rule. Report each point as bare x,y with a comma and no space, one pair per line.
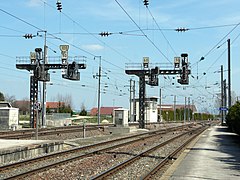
30,133
150,156
43,132
43,163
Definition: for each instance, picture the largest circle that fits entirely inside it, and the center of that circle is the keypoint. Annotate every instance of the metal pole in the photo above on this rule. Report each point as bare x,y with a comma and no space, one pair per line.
134,103
222,97
174,107
192,110
130,102
225,98
36,136
84,129
44,83
160,105
188,108
229,75
184,118
99,93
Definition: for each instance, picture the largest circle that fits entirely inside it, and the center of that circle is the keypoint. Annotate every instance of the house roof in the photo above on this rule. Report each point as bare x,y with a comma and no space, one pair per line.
103,111
51,105
54,105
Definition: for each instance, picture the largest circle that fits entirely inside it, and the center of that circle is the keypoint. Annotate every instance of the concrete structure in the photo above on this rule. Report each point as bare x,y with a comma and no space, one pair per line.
120,119
151,113
215,155
15,150
58,119
9,117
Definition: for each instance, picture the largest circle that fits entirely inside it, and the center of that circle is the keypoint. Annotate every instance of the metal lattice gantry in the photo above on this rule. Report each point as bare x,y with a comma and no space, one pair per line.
148,74
39,71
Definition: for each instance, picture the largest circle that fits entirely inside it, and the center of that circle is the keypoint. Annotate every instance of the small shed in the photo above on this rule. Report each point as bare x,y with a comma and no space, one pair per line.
120,117
9,118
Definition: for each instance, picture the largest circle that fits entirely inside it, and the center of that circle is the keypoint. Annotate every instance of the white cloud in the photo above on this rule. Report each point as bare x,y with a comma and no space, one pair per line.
93,47
34,3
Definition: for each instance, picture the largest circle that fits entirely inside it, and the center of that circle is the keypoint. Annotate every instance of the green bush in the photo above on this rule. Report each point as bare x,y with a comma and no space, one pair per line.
233,118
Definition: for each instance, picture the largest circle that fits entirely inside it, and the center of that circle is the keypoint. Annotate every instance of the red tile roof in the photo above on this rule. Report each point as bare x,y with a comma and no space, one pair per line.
54,105
103,111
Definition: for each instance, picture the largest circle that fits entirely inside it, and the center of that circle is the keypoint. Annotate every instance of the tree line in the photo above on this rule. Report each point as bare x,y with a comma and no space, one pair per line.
233,118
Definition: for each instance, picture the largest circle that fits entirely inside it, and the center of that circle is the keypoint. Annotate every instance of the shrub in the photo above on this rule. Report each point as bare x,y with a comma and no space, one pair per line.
233,118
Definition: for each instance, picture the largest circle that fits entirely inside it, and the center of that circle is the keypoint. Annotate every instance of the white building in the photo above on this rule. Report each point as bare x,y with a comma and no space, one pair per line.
8,116
151,112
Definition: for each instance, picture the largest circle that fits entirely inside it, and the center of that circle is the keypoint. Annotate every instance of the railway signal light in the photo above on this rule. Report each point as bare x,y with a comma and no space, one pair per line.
184,72
59,5
72,72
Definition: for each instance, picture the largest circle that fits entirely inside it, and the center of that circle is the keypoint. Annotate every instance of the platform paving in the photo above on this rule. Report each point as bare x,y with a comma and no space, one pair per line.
11,143
214,156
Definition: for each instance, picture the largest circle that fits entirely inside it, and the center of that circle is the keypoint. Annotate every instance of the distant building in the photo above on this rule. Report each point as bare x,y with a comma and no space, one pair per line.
170,107
8,116
151,113
24,106
103,111
53,107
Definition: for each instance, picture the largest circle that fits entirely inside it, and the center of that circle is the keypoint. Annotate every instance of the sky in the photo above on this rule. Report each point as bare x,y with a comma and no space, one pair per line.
135,32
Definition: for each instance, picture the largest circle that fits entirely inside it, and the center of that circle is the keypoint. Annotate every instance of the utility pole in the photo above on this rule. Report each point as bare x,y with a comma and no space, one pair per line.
184,118
222,96
99,89
192,110
130,102
188,109
174,108
225,96
134,102
160,104
44,83
229,75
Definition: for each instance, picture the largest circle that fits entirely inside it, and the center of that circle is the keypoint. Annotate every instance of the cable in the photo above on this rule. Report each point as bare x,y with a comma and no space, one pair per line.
12,29
221,40
92,34
161,31
142,31
21,19
217,59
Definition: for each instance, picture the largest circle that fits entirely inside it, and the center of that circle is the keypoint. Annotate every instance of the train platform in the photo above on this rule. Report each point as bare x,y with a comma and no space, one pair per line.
214,155
15,150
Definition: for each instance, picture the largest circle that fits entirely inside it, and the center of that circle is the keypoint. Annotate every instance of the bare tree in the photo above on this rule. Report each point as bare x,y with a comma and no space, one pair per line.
67,99
10,99
2,98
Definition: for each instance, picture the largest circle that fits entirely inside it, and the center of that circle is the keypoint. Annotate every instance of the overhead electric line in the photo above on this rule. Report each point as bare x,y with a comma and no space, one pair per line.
142,31
161,31
215,46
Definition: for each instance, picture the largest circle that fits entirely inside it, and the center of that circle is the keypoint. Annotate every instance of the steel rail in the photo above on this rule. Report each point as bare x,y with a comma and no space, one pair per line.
169,157
46,132
118,167
8,167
